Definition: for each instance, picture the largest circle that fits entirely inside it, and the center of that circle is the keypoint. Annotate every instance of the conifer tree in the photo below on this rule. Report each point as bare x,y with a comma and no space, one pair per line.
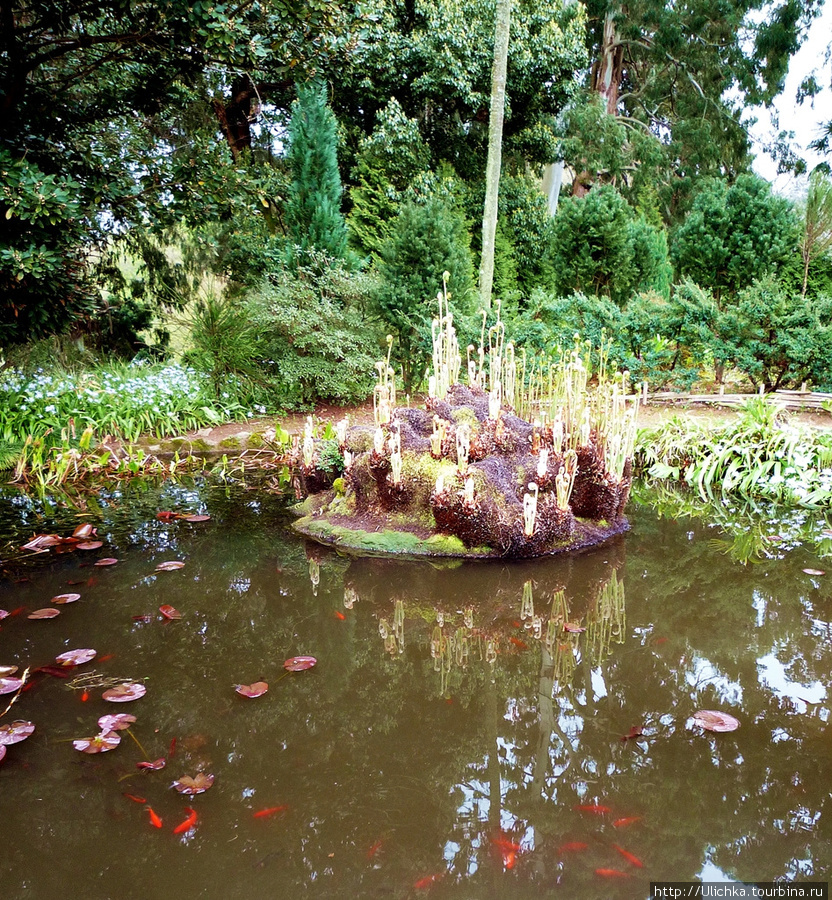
313,210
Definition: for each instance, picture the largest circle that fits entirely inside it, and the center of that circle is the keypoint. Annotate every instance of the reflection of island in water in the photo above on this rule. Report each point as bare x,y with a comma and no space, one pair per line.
473,615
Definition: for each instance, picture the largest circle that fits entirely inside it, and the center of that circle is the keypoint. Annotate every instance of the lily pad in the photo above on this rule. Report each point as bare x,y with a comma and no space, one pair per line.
75,657
48,613
84,530
170,566
152,766
2,752
116,722
199,518
101,743
713,720
15,732
572,628
196,785
7,670
814,571
66,598
90,545
169,612
10,685
107,561
4,613
122,693
252,690
299,663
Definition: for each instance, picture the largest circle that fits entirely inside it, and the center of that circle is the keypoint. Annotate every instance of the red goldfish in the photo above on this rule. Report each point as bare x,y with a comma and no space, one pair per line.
188,823
270,811
629,857
155,821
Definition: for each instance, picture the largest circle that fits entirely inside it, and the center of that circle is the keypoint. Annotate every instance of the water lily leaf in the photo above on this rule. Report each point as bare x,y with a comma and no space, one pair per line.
10,685
712,720
66,598
144,618
101,743
252,690
814,571
4,613
48,613
116,722
107,561
84,531
170,566
196,785
15,732
572,628
7,670
75,657
42,542
169,612
2,752
121,693
199,518
90,545
152,766
299,663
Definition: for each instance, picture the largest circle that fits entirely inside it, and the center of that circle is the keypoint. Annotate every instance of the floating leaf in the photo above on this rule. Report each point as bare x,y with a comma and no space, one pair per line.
42,542
144,618
169,612
196,785
7,670
116,722
252,690
16,732
166,515
90,545
2,752
712,720
199,518
121,693
3,614
299,663
10,685
814,571
84,531
635,732
107,561
170,566
48,613
66,598
572,628
101,743
153,766
75,657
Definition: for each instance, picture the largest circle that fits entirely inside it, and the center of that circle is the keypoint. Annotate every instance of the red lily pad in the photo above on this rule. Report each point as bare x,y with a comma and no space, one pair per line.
252,690
48,613
170,566
165,515
814,571
42,542
15,732
713,720
84,530
7,670
122,693
101,743
10,685
2,752
572,628
170,612
196,785
75,657
152,766
299,663
4,613
66,598
90,545
116,722
107,561
144,618
199,518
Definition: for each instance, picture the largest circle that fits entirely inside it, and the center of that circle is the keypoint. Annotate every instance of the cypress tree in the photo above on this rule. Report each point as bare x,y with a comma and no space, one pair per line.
313,210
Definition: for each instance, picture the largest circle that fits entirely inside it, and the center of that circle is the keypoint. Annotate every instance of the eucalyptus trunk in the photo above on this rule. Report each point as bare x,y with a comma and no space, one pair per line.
495,147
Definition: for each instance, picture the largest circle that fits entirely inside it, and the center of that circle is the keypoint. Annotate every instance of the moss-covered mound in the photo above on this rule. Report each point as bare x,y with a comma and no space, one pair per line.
452,480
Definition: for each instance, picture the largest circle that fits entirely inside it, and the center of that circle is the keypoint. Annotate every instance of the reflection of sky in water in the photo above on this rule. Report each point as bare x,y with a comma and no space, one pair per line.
772,674
712,872
599,687
704,673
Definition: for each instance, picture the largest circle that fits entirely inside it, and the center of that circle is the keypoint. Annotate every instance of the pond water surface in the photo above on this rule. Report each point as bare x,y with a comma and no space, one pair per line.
481,759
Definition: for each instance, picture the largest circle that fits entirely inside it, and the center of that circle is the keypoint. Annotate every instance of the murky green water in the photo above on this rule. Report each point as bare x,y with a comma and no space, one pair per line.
409,762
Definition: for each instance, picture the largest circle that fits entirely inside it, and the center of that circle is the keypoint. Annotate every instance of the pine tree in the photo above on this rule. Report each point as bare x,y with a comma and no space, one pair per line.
313,210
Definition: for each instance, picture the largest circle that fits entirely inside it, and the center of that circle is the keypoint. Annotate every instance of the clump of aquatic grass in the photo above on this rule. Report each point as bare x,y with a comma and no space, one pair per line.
607,621
446,357
758,456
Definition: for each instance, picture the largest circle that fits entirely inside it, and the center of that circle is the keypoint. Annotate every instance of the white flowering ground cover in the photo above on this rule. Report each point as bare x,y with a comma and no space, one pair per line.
123,400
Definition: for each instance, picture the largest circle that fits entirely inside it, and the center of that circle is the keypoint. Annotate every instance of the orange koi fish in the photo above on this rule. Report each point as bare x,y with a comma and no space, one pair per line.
85,696
595,808
611,873
522,645
634,860
135,799
339,615
188,823
626,820
106,657
573,847
428,881
270,811
155,821
374,849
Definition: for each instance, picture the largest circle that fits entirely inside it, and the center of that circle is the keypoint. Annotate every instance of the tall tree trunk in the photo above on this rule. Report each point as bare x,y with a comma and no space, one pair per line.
608,69
495,147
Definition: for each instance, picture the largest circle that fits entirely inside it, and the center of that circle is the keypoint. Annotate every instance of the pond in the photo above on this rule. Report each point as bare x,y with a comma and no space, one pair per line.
454,738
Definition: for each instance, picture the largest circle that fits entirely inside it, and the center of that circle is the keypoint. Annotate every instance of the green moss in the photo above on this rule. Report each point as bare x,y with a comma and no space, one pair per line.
230,443
201,445
255,440
467,415
339,486
447,543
